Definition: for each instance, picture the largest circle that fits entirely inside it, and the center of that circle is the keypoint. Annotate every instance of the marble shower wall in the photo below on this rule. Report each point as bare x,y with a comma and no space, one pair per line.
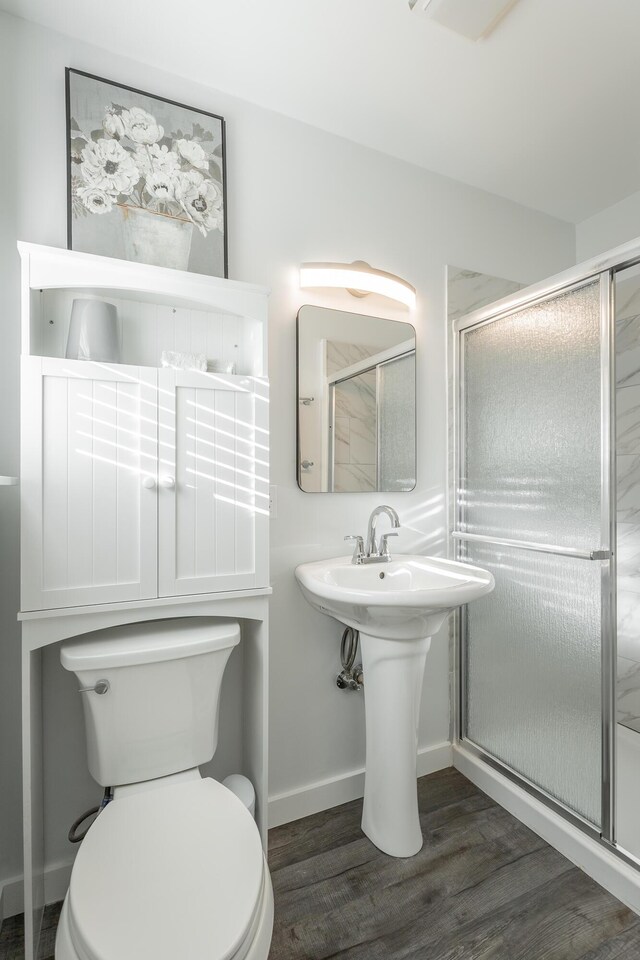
628,496
355,425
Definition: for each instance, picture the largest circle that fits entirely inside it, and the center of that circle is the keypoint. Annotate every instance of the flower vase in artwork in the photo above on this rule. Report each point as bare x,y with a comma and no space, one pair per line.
156,238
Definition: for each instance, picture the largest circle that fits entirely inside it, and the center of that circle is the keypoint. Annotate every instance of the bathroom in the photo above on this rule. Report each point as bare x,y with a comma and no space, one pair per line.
423,179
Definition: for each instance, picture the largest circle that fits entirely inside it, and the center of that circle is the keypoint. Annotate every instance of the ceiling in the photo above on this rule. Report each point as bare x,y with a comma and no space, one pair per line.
544,111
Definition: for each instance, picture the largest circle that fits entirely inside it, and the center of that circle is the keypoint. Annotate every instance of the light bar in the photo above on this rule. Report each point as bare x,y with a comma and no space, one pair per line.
358,278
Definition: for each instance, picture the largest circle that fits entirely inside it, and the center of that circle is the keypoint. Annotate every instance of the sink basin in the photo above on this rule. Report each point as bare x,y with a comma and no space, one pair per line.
396,606
405,599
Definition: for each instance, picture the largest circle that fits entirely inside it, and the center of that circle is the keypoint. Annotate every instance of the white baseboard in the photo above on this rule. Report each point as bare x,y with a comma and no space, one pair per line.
612,873
56,884
314,797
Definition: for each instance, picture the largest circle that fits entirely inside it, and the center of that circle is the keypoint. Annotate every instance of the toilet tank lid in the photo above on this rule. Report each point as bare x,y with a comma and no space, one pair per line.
153,641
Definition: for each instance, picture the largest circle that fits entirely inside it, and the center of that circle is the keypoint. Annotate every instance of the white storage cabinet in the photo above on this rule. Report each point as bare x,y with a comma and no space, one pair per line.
139,481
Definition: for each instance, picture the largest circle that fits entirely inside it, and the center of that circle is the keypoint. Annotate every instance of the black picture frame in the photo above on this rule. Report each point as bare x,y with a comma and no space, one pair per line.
70,74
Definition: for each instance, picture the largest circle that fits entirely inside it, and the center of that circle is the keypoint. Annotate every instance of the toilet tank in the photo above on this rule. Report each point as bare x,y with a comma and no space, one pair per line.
159,714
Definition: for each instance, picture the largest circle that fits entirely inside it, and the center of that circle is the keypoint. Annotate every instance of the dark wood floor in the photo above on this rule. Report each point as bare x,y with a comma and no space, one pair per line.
484,887
12,940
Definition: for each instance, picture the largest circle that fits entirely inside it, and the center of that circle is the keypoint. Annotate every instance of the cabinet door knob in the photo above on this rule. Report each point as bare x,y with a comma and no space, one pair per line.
148,483
168,483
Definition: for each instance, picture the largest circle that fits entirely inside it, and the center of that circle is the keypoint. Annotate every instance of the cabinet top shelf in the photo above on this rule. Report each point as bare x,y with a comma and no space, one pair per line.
53,268
158,309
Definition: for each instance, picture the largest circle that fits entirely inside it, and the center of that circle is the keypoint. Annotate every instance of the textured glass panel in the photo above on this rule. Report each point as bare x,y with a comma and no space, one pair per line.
533,671
532,423
397,453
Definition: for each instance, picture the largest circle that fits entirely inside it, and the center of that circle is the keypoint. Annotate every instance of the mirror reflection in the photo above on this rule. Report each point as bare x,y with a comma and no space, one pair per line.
356,403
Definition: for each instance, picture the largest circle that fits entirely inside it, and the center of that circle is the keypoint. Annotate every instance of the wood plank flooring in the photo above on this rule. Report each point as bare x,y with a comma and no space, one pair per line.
12,935
483,887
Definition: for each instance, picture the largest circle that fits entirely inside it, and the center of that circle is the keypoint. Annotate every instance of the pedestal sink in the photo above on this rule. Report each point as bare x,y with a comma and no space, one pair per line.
397,607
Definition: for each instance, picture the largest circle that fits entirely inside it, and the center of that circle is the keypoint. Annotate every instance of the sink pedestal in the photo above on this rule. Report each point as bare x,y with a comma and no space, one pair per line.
393,674
405,602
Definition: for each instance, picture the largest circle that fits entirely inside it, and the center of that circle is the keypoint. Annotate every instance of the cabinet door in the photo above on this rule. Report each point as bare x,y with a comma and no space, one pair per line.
89,499
213,493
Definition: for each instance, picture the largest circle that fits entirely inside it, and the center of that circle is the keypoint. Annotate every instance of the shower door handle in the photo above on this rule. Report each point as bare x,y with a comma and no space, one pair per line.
598,554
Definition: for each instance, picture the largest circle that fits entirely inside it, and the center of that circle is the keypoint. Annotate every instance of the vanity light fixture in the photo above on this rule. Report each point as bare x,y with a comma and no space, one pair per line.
359,279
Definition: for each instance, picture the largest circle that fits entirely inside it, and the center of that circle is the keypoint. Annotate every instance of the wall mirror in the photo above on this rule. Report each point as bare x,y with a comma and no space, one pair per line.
356,403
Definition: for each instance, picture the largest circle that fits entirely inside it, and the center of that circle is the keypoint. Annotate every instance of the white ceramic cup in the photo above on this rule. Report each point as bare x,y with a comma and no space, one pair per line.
93,331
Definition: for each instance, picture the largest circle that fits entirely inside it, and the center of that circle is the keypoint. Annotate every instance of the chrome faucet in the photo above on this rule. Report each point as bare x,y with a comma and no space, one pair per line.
371,552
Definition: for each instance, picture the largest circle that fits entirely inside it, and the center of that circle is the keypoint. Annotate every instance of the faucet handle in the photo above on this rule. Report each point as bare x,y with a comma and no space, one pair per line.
384,546
358,553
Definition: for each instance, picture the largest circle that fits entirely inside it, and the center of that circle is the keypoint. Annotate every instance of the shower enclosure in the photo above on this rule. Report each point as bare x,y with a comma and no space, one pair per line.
536,502
381,396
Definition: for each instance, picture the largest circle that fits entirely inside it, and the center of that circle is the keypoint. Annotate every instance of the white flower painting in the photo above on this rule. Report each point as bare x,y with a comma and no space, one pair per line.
146,177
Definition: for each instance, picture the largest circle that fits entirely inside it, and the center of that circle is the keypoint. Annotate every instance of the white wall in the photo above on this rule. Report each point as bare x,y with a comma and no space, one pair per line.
295,194
608,228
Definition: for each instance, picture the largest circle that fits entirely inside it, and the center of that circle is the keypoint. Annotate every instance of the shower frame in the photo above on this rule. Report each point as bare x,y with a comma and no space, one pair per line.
603,269
333,383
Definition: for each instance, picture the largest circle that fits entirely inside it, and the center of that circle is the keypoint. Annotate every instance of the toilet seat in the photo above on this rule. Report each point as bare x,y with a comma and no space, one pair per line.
174,871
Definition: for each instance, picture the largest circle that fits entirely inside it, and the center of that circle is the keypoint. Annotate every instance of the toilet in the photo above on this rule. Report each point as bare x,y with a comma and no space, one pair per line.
173,866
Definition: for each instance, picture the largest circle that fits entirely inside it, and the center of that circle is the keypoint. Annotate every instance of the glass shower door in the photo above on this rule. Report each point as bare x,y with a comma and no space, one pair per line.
533,507
396,425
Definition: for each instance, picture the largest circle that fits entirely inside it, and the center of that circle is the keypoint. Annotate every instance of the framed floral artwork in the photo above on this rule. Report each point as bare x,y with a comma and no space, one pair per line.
146,177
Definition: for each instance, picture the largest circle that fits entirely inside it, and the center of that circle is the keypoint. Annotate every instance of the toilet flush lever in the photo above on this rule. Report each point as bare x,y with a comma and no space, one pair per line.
99,687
